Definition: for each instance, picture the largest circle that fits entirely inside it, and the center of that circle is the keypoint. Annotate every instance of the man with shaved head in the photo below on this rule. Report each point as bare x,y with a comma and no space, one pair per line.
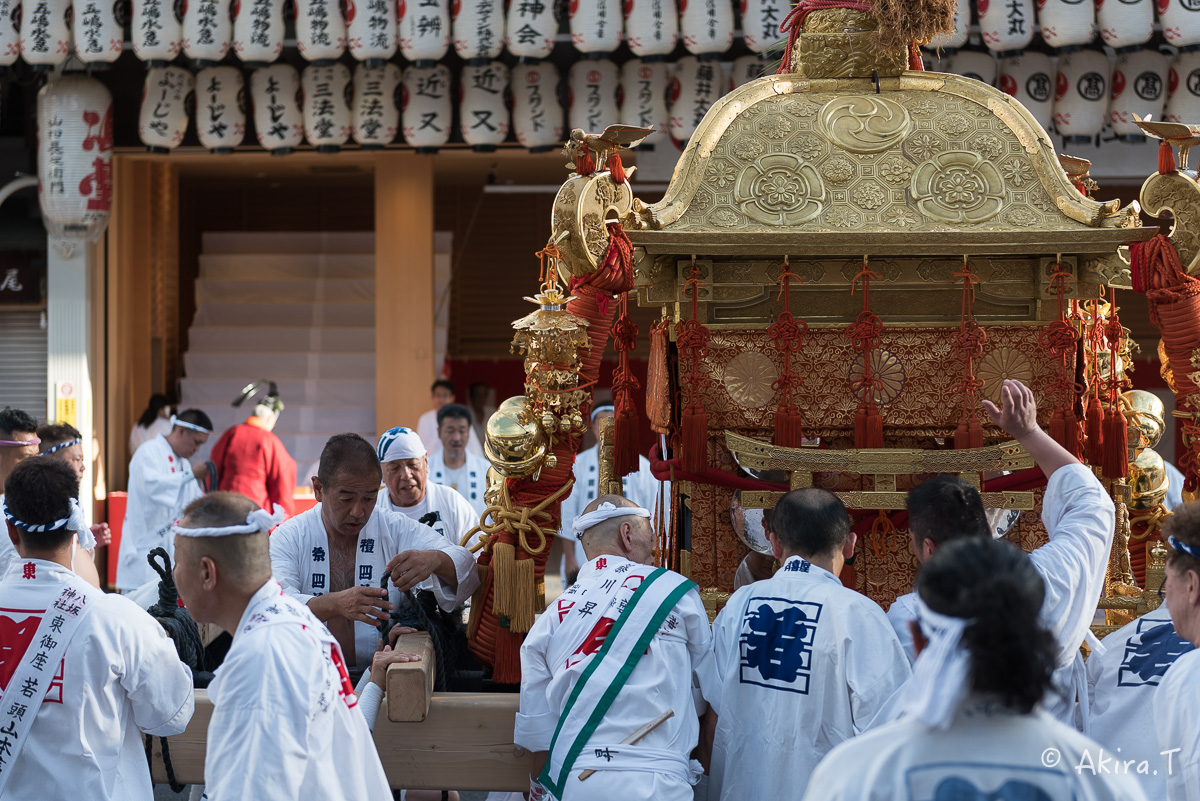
615,659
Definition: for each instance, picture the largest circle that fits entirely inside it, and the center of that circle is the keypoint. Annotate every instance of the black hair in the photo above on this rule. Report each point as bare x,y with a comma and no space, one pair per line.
442,382
346,452
945,508
13,421
994,584
456,411
157,402
1184,525
810,522
196,418
52,434
37,492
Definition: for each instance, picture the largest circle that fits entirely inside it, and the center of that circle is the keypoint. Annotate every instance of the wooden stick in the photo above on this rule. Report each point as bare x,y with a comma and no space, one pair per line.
637,735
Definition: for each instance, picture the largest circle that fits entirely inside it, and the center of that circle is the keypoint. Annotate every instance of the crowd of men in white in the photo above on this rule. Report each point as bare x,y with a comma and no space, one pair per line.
800,689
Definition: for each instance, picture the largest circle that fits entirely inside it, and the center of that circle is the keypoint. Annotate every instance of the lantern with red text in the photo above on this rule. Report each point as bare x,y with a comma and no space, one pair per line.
596,25
706,26
695,86
163,120
275,97
426,111
1139,88
376,112
1029,78
1081,95
1067,23
955,39
745,69
424,30
977,64
326,108
45,36
651,27
592,97
1125,23
320,30
207,31
483,108
220,108
156,32
1183,87
1006,25
531,27
644,98
760,22
478,29
98,33
75,140
372,31
1180,20
10,32
257,31
537,117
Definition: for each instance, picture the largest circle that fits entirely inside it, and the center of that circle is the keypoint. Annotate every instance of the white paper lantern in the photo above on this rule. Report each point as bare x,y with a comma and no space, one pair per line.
164,115
537,117
1139,86
156,32
706,25
320,30
760,22
99,35
977,64
75,141
644,86
530,28
651,27
1029,78
1125,23
372,30
1006,25
376,113
958,37
45,37
596,25
592,86
478,28
483,108
10,32
1183,88
746,69
220,108
207,31
426,110
424,30
258,31
1067,23
1081,95
1180,20
274,95
326,107
694,87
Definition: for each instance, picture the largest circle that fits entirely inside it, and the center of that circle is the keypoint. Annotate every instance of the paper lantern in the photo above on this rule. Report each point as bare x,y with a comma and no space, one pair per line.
1180,20
1006,25
596,25
1081,95
320,30
424,30
592,86
426,112
537,116
1125,23
45,36
643,96
376,113
10,32
1067,23
164,116
760,22
1139,86
1183,88
651,27
220,108
706,25
98,33
958,37
1029,78
530,28
207,31
326,107
274,95
478,28
977,64
746,69
257,31
156,32
694,87
483,108
75,140
372,30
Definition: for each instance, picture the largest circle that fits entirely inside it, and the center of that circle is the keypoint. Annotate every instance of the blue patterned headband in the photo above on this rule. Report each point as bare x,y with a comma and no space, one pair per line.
74,521
1183,547
62,446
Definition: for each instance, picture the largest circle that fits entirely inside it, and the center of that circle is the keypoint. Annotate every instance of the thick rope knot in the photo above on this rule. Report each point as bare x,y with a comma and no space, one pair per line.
1059,337
693,336
625,333
866,331
519,523
968,342
787,333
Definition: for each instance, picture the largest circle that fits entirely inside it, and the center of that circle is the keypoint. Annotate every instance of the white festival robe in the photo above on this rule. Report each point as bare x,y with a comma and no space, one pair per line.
560,646
988,753
804,664
160,485
1122,681
455,517
427,430
470,480
300,562
284,723
120,676
1177,716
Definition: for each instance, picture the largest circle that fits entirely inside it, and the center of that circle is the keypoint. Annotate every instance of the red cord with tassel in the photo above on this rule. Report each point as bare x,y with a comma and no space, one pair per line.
1166,159
788,335
968,345
617,169
1115,462
1059,338
692,338
864,334
625,434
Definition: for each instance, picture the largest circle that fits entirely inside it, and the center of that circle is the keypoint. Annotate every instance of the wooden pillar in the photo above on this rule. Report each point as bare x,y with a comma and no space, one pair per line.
404,342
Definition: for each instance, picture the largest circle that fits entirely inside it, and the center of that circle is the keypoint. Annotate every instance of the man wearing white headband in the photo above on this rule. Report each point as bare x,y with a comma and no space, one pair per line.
615,659
284,722
18,441
63,442
408,490
801,659
82,673
161,483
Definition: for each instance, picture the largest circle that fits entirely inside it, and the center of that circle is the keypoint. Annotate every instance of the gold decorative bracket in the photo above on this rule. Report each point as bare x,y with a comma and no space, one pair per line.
1178,193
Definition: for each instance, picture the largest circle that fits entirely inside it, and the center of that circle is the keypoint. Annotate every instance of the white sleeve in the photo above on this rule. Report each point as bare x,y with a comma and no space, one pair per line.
286,549
699,642
408,535
536,721
876,666
369,701
158,685
1178,725
898,615
725,631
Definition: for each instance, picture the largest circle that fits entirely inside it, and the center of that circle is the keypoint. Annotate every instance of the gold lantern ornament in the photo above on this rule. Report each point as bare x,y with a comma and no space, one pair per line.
514,441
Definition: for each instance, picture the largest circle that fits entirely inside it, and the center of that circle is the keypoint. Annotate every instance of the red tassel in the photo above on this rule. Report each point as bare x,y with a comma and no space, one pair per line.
1071,431
584,164
1058,428
625,439
695,440
868,426
617,169
1166,159
1095,432
962,434
1115,463
507,667
914,58
789,428
976,433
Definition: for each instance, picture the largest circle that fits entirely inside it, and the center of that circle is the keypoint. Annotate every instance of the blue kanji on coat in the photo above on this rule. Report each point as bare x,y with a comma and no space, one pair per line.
1149,653
776,643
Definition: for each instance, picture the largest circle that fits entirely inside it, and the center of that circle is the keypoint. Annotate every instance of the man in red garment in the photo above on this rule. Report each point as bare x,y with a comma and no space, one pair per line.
251,460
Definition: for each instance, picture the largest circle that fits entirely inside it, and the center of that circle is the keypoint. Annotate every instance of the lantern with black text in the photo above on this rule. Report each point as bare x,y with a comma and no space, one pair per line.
426,111
376,112
220,108
99,35
275,98
320,30
325,107
372,31
1006,25
1180,20
596,25
530,28
958,37
651,27
644,98
483,108
156,32
695,86
760,22
706,26
592,99
207,31
1081,95
75,140
45,37
424,30
1125,23
746,69
537,117
10,32
478,28
1139,87
977,64
164,116
1029,78
1067,23
258,31
1183,88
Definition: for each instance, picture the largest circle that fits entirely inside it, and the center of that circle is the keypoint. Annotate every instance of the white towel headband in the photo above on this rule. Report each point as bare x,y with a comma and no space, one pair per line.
605,511
258,520
941,675
175,421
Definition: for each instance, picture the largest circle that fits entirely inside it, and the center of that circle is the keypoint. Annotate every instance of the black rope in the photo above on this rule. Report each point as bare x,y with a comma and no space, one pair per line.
175,786
176,620
420,611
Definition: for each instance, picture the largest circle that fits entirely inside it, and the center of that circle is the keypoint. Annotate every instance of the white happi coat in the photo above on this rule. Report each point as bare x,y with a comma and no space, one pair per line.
1122,681
300,562
1177,716
988,753
160,485
804,664
470,480
284,723
120,676
455,517
563,643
